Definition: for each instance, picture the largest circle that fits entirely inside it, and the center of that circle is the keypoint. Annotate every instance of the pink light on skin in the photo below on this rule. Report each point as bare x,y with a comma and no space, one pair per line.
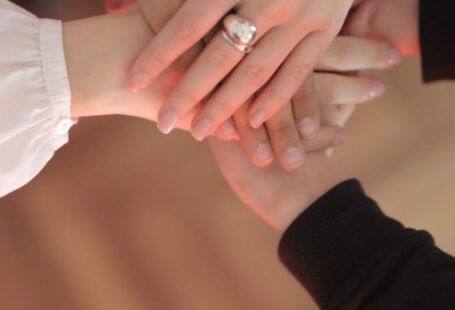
119,6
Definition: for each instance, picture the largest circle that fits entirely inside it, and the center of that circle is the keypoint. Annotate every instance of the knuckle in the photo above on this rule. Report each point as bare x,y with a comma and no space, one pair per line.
219,59
186,98
299,73
283,127
258,73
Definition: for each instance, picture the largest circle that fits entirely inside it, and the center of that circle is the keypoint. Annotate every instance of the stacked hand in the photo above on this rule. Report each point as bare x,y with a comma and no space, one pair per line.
287,37
280,197
281,136
277,195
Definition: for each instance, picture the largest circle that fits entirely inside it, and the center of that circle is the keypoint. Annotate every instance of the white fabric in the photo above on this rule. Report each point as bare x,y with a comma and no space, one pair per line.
34,95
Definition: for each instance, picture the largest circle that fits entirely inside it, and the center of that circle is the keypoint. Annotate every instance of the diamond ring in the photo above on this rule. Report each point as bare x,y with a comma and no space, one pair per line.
239,33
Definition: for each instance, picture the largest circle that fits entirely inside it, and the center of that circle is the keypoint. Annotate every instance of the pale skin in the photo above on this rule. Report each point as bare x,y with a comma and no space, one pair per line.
292,35
277,196
396,22
97,89
281,133
280,197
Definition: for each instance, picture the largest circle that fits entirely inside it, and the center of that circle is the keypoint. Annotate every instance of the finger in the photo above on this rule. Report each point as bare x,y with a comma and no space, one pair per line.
334,88
184,30
334,117
285,139
253,73
328,137
212,66
337,115
204,74
255,142
227,131
353,54
288,80
306,109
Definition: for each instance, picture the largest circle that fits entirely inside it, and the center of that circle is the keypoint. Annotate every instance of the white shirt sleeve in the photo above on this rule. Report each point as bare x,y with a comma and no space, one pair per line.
35,98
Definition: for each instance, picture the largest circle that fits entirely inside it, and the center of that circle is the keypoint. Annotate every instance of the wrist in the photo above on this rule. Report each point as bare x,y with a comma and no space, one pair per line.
320,177
97,61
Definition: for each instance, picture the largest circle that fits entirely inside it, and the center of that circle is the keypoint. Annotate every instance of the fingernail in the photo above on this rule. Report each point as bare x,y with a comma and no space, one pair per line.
257,118
293,157
377,90
395,57
308,128
167,122
342,138
264,153
202,129
138,81
228,130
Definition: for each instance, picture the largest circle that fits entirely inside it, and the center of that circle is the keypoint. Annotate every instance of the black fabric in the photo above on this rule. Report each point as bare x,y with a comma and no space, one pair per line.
349,255
437,39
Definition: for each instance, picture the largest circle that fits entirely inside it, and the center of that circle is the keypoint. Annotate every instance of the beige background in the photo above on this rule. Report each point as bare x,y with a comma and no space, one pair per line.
124,218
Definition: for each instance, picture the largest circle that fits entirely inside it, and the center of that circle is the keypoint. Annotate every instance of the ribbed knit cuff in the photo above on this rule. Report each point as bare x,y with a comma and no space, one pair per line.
437,39
334,238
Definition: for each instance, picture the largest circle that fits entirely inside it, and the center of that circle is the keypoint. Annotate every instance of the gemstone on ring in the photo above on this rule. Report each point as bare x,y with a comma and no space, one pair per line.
239,32
244,31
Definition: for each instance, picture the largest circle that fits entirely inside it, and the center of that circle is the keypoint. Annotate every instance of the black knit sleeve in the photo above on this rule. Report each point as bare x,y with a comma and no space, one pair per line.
349,255
437,39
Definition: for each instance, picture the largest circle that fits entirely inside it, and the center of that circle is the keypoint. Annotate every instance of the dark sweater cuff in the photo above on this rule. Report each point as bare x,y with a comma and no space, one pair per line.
340,234
437,39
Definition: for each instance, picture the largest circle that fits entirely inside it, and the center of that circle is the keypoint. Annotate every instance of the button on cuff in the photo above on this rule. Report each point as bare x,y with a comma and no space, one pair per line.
63,126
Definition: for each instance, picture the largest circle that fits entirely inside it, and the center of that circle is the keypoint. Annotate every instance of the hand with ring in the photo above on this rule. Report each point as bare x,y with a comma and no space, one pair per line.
272,43
283,138
280,138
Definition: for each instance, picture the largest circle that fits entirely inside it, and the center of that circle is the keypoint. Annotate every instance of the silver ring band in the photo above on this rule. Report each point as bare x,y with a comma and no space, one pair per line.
244,48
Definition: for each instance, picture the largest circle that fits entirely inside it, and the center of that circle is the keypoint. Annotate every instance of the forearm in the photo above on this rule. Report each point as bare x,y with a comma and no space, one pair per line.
349,255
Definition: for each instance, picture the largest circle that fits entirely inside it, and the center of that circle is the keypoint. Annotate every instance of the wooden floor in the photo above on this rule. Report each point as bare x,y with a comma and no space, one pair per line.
126,219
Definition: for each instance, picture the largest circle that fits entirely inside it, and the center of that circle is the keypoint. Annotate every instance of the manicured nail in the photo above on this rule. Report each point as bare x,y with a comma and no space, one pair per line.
264,153
138,81
257,118
342,138
227,130
202,129
293,157
167,121
308,128
395,57
377,90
